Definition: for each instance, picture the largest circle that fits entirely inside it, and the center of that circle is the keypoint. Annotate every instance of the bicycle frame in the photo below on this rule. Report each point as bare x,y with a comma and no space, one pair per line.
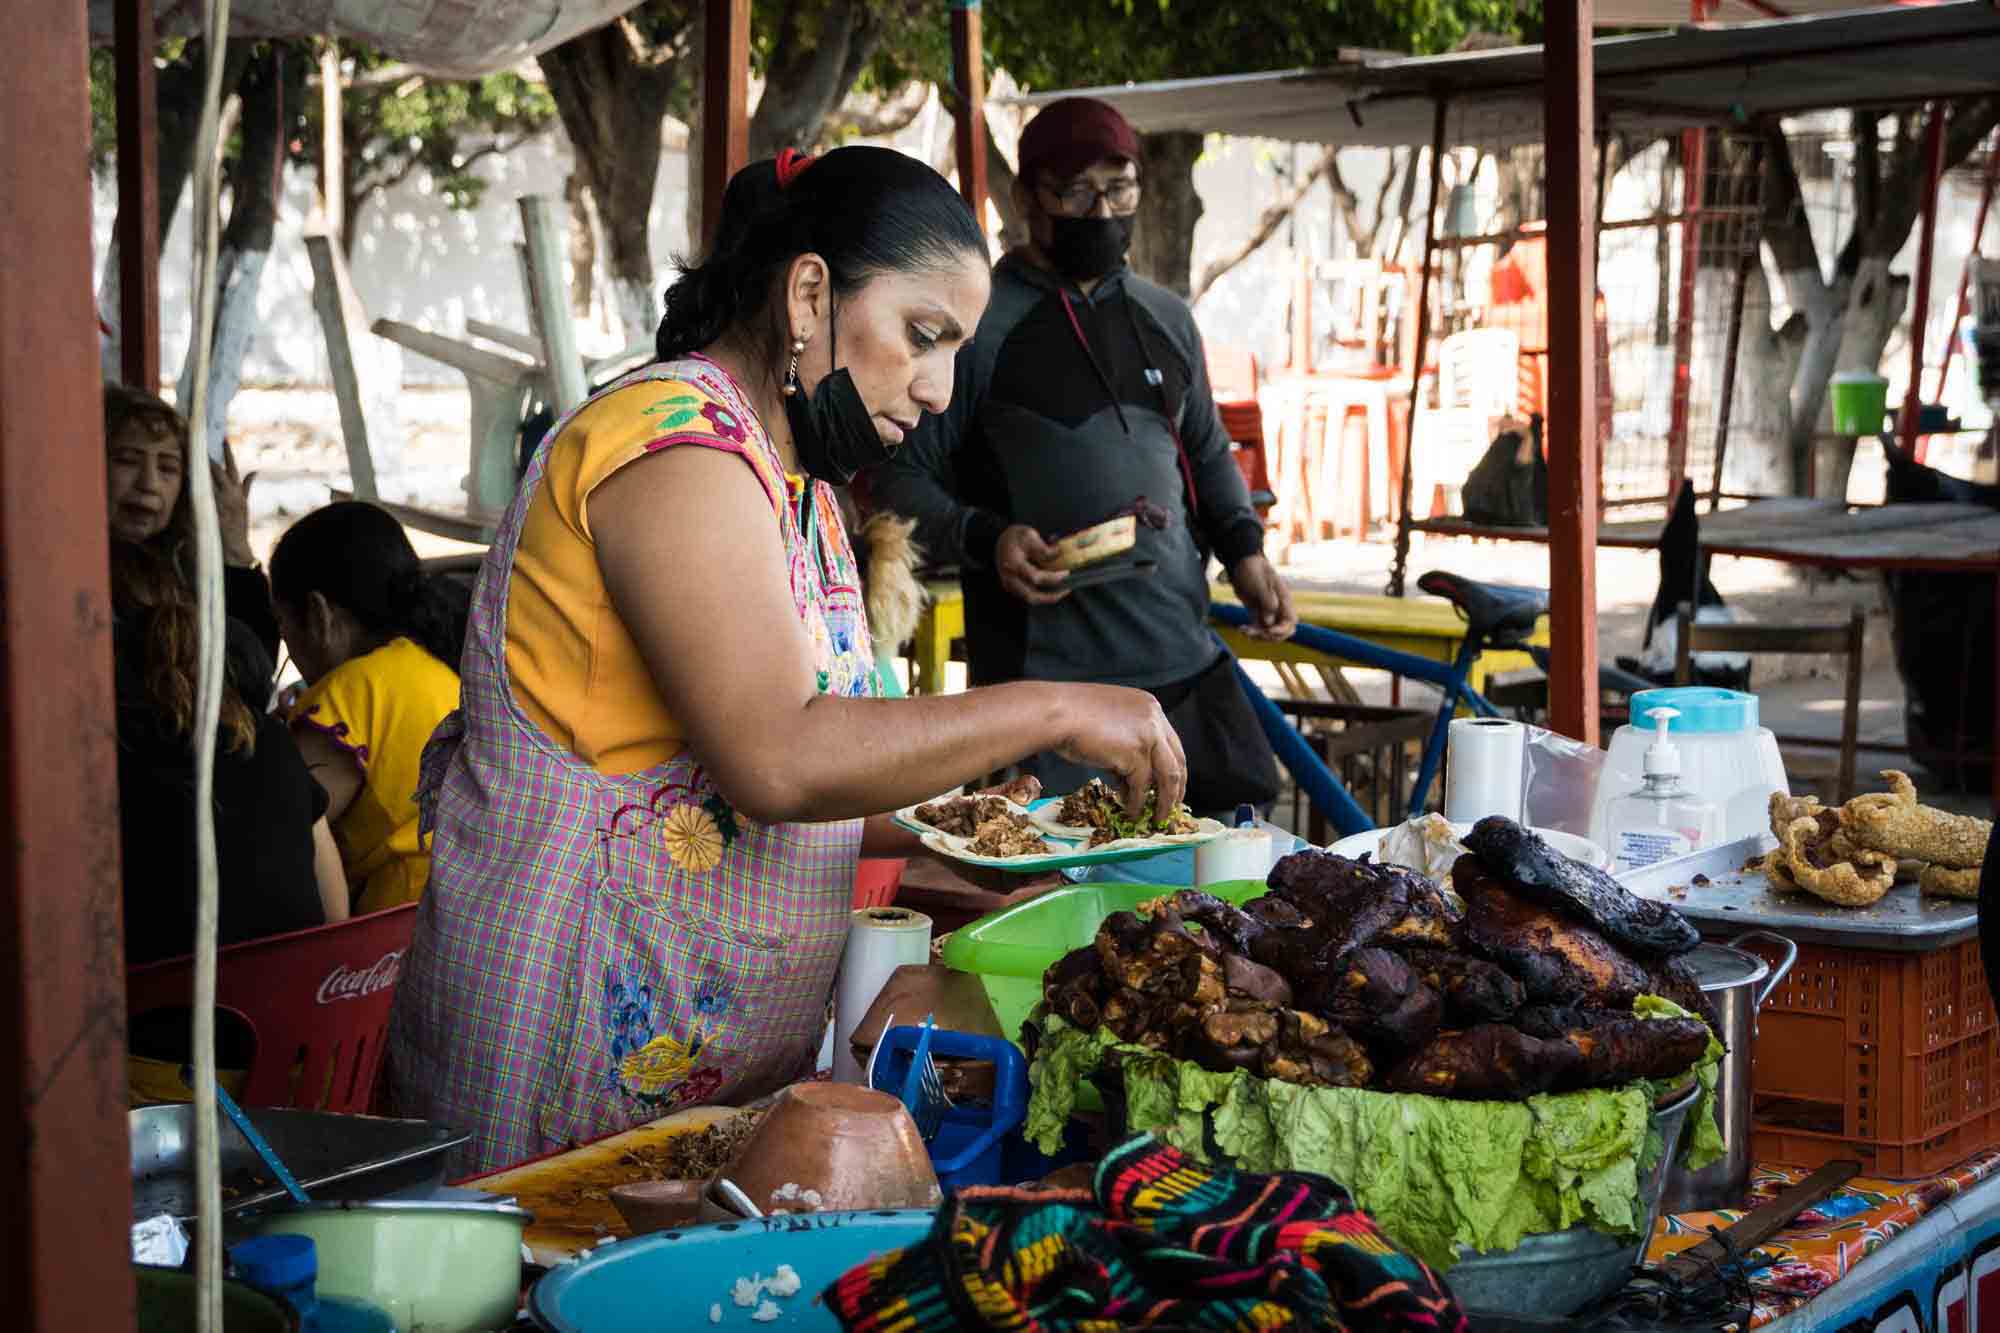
1321,786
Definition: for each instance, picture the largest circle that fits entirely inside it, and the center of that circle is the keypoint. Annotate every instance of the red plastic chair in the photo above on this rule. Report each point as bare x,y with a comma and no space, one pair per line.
317,999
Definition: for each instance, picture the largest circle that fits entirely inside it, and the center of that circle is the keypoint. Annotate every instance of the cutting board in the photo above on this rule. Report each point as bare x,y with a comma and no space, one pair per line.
566,1224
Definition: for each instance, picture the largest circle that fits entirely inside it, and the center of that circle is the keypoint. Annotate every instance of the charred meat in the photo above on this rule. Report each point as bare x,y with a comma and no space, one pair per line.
1492,1062
1377,997
1582,893
1310,1051
1474,990
1357,903
1554,959
1616,1048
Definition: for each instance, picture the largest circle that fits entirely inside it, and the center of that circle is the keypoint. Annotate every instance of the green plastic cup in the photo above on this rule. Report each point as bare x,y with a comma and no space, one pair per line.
1860,400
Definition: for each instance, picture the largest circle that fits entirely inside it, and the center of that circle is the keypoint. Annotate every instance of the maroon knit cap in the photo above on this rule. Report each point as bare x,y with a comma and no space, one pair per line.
1070,134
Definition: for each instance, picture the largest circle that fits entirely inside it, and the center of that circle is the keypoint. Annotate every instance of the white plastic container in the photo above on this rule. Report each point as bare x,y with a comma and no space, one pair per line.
1727,759
1662,819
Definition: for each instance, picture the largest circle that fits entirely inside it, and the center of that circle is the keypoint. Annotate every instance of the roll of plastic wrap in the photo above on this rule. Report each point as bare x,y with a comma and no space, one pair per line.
879,940
1488,758
1241,853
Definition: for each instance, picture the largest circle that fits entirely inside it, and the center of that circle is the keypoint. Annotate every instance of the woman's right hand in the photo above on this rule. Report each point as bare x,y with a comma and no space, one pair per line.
1125,731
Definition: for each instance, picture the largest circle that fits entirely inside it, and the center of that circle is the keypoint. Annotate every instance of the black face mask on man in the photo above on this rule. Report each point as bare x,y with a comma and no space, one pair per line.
832,429
1086,248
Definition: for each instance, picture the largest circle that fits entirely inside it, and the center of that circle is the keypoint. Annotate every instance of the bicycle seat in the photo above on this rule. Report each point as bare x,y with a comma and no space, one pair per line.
1491,610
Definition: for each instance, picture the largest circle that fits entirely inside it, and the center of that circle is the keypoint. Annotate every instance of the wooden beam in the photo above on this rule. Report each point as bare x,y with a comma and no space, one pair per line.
65,1239
1569,117
725,104
969,83
1418,350
138,197
332,168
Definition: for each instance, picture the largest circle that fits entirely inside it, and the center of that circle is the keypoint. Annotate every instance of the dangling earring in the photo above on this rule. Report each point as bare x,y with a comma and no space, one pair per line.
791,385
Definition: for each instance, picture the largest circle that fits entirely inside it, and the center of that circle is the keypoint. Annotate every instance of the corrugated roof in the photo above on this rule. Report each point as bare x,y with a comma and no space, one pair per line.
1690,76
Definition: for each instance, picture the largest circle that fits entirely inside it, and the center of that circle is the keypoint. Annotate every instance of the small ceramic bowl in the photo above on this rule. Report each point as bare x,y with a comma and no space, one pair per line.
658,1205
826,1147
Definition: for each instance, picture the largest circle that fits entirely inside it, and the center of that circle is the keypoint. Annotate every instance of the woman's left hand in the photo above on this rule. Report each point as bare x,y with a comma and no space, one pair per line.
1265,597
232,509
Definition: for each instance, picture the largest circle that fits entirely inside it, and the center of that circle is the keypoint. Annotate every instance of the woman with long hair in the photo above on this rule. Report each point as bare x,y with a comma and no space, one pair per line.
667,759
377,642
277,866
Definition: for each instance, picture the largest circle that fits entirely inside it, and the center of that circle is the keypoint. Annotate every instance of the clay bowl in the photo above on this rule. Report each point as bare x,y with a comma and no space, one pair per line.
957,999
826,1147
658,1205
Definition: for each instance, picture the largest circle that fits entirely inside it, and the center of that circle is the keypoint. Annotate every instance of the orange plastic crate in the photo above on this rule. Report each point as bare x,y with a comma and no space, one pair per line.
1891,1058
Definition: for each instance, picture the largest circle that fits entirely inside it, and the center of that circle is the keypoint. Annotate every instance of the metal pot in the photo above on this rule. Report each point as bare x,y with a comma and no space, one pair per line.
1730,977
439,1267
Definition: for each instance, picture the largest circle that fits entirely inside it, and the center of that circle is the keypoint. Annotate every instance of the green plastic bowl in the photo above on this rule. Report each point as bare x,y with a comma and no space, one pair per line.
1010,949
1859,403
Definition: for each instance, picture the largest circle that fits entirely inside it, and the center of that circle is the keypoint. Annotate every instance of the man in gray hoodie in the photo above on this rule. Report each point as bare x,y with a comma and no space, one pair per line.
1084,390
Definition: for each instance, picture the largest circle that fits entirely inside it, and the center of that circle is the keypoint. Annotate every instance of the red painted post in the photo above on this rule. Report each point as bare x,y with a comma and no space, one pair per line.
65,1239
725,104
1920,310
138,198
970,86
1569,119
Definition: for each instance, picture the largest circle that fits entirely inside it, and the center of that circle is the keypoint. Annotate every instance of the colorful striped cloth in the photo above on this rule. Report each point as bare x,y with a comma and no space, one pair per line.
1826,1241
1161,1242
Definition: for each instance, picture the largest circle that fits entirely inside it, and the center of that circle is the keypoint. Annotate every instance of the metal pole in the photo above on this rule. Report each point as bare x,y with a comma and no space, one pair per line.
1744,263
1920,313
1401,568
65,1240
1569,114
1971,258
138,198
725,104
1694,170
969,83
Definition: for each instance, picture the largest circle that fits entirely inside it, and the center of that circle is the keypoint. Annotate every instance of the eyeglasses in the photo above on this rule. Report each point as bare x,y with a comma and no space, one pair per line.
1080,197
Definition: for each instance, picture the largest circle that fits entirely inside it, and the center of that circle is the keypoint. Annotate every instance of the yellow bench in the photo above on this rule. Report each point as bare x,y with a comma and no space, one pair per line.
1421,626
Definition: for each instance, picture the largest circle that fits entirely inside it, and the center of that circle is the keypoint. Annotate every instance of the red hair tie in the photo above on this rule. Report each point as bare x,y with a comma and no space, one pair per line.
790,163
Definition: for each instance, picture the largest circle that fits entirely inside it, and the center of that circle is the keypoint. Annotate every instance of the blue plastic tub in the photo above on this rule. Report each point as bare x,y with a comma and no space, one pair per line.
970,1147
675,1279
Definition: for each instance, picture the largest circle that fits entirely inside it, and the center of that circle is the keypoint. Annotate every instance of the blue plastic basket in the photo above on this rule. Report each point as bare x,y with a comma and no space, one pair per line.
971,1146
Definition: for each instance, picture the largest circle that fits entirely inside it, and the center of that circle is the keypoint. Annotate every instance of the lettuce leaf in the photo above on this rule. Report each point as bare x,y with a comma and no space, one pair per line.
1435,1173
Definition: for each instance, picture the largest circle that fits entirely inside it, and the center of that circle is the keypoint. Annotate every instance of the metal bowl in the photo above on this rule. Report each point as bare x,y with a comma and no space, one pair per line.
1560,1272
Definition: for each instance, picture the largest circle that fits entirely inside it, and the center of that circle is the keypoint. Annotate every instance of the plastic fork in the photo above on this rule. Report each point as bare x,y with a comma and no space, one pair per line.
923,1088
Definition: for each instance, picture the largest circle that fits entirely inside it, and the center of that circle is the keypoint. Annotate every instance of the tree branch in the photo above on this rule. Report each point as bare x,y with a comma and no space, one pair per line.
1267,225
382,76
1784,224
875,117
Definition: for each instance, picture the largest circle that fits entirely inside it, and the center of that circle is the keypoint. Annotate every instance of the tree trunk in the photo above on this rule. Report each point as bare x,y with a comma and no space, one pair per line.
1759,459
818,53
582,245
271,88
1163,241
613,100
1863,311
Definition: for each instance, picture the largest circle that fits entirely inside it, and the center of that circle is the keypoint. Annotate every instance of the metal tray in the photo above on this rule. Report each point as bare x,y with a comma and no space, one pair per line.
1735,899
335,1157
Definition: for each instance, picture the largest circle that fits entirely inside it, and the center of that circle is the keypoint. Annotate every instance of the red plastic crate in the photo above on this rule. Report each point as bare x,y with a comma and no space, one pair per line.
1891,1058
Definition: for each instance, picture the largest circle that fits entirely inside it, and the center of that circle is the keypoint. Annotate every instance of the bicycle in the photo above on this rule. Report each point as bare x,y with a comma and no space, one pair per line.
1497,616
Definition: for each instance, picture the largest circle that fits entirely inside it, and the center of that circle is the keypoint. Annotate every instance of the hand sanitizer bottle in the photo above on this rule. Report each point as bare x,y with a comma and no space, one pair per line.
1662,819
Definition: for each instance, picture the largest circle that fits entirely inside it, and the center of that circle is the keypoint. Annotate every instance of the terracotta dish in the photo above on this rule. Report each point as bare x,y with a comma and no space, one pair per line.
658,1205
957,999
825,1147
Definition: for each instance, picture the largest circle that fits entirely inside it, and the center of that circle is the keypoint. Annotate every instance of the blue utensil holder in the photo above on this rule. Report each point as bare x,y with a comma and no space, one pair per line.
970,1147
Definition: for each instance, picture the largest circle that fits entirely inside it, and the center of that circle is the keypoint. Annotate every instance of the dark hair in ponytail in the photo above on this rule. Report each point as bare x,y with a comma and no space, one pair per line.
358,558
866,211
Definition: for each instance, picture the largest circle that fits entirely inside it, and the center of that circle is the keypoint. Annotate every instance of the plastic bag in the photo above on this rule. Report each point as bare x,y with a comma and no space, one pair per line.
1561,788
161,1241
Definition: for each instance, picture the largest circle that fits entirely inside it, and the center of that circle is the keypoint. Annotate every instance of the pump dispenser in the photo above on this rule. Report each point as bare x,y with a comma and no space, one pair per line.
1662,819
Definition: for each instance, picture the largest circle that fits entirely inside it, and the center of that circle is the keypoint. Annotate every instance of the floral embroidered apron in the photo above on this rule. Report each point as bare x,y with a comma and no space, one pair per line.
593,952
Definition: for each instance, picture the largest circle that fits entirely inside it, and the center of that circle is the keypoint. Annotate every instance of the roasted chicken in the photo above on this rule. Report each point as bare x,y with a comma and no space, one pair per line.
1492,1062
1356,903
1582,893
1555,960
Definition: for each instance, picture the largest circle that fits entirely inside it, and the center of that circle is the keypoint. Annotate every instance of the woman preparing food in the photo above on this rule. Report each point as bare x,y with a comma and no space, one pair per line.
648,810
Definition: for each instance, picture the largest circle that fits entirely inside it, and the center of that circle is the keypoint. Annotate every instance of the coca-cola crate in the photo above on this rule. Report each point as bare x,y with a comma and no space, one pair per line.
1890,1058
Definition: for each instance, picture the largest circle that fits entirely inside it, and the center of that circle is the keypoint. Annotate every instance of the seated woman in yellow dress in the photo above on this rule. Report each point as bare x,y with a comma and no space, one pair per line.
377,640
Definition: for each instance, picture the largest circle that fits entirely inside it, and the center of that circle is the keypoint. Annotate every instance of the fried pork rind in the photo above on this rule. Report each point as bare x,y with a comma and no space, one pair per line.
1893,822
1949,882
1785,809
1824,862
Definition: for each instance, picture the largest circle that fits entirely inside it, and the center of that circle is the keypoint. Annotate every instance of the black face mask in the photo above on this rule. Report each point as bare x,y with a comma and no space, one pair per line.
833,430
1086,248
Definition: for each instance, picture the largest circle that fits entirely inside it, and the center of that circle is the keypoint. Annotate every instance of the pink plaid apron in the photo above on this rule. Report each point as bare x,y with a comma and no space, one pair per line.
593,952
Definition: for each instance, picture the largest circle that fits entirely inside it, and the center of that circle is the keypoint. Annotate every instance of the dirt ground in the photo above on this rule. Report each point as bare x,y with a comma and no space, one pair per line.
291,438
